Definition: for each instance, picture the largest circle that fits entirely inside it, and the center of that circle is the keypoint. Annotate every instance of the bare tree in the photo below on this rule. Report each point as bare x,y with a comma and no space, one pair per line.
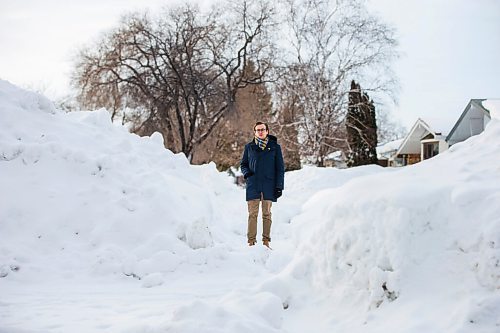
332,42
388,129
182,70
180,73
289,111
226,144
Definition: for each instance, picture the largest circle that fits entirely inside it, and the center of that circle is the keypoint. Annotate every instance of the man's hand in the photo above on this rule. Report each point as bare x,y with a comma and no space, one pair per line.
278,192
249,174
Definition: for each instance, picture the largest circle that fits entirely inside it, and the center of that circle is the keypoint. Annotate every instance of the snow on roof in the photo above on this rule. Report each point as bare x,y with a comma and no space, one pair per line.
389,146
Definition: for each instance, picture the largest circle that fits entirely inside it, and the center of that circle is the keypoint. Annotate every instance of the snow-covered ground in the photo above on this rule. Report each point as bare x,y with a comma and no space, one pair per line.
104,231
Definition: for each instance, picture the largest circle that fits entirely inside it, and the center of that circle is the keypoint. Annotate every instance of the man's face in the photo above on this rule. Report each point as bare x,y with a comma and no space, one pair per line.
260,131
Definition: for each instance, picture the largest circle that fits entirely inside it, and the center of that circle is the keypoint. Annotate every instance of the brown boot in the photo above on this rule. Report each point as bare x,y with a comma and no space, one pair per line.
251,243
266,243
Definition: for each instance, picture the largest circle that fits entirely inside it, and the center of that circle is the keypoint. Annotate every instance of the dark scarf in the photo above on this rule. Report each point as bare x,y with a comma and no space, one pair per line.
261,143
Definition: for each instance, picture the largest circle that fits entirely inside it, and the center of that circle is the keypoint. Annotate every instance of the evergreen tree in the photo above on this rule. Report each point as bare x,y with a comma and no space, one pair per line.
361,128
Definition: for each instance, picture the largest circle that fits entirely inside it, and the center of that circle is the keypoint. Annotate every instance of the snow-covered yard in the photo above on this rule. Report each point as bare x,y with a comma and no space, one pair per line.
104,231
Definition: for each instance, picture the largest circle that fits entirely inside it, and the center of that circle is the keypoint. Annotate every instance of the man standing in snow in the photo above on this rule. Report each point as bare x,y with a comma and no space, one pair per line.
264,170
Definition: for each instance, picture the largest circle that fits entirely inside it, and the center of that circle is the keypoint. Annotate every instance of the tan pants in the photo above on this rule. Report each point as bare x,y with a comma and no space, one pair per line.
253,212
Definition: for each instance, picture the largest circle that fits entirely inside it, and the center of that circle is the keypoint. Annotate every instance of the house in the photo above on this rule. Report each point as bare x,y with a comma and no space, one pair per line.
421,143
472,121
386,151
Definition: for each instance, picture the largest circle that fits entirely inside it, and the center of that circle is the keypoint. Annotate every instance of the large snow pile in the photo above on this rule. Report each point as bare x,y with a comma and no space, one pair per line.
421,244
79,195
90,214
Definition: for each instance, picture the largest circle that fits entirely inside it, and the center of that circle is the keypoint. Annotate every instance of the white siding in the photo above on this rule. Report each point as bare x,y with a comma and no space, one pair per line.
473,123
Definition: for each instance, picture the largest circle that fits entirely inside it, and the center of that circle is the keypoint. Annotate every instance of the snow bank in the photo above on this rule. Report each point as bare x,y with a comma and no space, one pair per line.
421,244
80,195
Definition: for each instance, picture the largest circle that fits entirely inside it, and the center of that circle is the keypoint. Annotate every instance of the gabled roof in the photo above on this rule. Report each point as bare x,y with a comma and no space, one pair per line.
412,139
389,146
477,103
388,149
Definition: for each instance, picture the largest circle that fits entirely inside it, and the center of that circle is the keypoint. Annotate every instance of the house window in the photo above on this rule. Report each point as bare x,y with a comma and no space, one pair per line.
431,149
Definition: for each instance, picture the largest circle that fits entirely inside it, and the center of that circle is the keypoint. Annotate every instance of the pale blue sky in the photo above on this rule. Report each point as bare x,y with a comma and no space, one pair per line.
450,48
450,54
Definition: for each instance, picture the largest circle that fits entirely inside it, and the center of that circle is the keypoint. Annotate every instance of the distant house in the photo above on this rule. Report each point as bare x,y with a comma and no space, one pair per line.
472,121
387,151
421,143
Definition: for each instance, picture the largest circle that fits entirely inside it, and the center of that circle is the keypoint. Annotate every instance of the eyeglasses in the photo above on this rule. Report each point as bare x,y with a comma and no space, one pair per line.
260,130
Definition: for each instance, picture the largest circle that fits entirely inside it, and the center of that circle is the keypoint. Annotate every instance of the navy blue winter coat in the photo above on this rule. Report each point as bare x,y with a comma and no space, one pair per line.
264,170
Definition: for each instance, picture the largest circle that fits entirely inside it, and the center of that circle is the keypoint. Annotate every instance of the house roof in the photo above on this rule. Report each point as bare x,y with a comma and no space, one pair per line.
387,149
411,143
473,103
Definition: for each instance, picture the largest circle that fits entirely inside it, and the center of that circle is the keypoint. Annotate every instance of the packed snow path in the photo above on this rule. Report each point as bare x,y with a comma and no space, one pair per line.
103,231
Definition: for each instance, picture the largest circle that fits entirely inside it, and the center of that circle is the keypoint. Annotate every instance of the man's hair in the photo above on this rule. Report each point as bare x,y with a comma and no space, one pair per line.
260,123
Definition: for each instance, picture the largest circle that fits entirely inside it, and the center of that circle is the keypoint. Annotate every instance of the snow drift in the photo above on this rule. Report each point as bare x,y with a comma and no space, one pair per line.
422,243
87,196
